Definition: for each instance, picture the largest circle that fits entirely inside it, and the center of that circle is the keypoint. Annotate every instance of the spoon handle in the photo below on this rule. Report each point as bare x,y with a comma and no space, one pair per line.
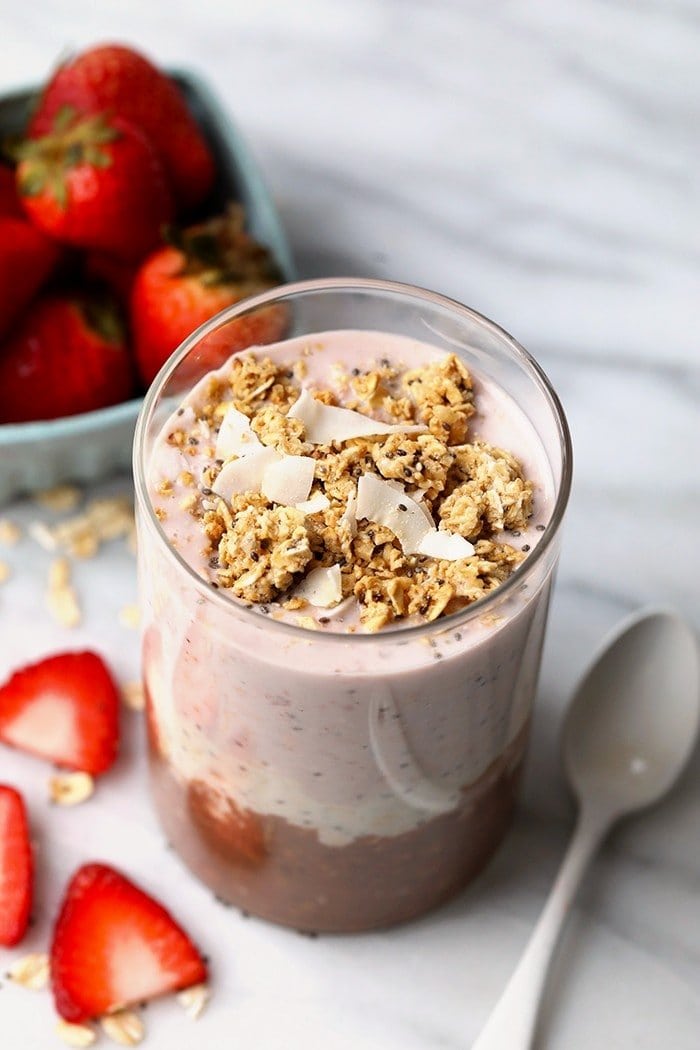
512,1022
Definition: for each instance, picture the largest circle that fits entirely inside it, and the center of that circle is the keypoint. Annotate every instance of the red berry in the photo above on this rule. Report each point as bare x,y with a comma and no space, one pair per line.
179,287
95,182
9,201
65,709
118,79
67,355
113,945
16,867
27,258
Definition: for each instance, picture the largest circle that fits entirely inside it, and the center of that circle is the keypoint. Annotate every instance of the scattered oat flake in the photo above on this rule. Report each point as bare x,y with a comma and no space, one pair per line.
43,535
31,971
5,571
61,597
129,616
9,532
123,1027
59,574
195,999
63,606
70,789
61,498
75,1034
133,696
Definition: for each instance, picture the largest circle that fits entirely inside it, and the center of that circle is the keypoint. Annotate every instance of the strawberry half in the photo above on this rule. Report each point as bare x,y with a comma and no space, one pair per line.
114,945
16,867
65,709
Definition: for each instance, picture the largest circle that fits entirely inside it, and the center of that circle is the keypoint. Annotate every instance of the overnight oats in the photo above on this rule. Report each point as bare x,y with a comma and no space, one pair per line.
346,547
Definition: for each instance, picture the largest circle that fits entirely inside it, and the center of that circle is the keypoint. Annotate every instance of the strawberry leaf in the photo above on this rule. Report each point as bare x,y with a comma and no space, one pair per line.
32,182
64,118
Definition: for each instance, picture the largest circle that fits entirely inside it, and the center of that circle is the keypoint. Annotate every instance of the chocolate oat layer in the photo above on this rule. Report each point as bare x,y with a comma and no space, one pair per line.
302,508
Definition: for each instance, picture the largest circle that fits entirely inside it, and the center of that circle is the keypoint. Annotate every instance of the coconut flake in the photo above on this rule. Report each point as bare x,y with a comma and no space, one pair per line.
447,546
246,473
385,505
236,437
349,515
321,587
314,504
289,480
326,423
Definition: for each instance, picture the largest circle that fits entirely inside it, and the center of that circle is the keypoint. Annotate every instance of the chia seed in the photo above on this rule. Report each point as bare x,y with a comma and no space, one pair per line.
540,528
526,547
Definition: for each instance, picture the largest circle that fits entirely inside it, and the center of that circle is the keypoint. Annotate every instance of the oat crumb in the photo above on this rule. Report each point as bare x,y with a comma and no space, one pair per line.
61,596
194,1000
133,696
60,498
70,789
79,1035
31,971
123,1027
129,616
10,533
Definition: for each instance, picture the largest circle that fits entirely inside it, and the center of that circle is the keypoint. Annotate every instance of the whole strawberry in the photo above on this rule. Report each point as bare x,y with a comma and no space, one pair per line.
66,355
27,258
116,78
179,287
95,182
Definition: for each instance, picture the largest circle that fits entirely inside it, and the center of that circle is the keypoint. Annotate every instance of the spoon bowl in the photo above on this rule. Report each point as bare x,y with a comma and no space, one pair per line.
634,719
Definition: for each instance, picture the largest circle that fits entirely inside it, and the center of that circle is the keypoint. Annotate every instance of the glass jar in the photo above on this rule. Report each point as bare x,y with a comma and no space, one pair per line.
327,781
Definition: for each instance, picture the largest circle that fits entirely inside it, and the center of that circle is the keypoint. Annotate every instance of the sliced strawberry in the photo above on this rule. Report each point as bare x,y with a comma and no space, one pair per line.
16,867
64,708
114,945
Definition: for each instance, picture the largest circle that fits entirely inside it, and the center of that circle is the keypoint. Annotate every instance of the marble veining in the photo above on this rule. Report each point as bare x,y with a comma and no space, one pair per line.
538,162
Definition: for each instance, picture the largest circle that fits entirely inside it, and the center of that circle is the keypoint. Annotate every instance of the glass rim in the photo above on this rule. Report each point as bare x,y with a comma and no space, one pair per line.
455,620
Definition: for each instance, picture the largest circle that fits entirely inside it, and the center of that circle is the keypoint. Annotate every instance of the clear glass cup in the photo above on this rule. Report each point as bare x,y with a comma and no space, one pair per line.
327,781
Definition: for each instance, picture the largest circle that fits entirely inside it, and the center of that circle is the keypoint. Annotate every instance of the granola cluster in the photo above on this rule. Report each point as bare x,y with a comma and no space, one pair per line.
260,550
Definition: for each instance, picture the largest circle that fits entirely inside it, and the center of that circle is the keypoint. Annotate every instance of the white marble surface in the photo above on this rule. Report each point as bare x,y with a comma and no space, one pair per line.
539,162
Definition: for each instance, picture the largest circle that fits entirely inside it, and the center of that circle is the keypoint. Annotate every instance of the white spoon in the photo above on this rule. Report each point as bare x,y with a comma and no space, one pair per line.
629,732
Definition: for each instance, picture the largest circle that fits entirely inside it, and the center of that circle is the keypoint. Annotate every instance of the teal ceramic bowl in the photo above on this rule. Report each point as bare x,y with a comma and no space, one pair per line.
91,446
